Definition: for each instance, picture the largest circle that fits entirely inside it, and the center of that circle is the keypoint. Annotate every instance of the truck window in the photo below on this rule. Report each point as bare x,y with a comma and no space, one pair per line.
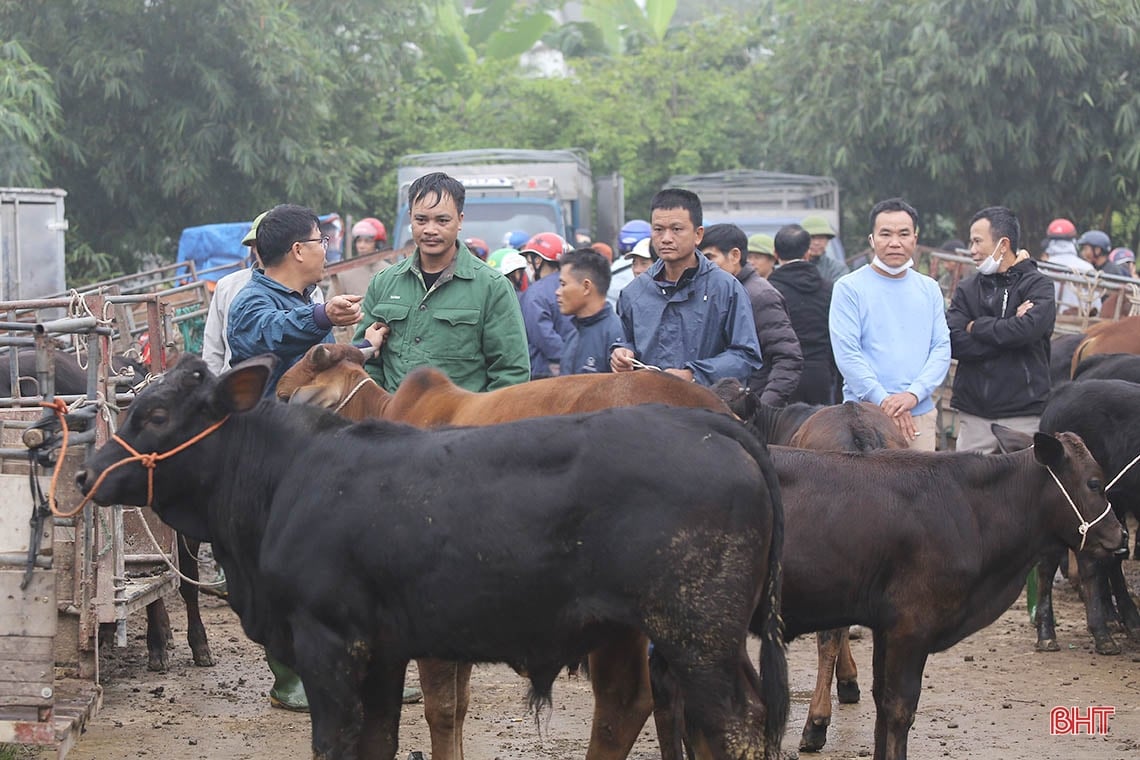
492,219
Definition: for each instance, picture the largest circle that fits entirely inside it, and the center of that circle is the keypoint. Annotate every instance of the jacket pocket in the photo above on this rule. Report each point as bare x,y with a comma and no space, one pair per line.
395,315
458,332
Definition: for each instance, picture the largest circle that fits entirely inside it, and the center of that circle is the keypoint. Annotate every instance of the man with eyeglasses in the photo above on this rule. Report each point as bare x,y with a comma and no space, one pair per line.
273,313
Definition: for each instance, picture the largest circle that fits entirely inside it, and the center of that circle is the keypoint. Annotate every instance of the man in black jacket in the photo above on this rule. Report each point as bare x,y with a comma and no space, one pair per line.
1001,320
807,296
726,245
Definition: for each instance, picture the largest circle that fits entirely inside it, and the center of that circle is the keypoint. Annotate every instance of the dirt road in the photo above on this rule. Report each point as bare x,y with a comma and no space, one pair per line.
989,697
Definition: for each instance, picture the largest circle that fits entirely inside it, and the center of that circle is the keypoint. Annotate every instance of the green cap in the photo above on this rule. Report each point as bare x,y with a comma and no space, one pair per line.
251,236
817,225
761,243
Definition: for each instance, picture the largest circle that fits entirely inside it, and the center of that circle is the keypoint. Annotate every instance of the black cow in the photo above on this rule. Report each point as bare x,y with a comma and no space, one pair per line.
1106,414
926,548
1109,367
1061,350
70,379
350,549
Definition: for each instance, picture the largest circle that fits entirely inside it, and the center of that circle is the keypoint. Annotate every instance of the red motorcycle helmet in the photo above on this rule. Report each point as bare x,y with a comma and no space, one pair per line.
477,246
371,227
1061,228
546,245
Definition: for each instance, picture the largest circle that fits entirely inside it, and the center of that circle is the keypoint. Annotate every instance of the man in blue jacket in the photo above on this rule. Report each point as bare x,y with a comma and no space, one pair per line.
685,316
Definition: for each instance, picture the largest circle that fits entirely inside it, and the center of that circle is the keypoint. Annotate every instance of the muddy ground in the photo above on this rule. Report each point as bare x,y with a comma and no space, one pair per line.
988,697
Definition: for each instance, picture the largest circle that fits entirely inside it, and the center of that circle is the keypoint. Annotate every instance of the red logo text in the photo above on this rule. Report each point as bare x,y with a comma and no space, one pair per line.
1073,720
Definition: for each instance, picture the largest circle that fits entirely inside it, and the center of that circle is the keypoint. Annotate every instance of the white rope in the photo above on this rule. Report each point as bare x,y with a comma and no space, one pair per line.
640,365
166,559
1083,528
352,393
1122,473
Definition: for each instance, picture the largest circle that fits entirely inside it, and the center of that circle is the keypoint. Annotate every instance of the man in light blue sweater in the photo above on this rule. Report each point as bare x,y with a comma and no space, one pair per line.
888,327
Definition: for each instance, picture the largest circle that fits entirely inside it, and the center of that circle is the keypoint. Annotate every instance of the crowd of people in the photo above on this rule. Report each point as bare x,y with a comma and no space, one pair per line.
772,312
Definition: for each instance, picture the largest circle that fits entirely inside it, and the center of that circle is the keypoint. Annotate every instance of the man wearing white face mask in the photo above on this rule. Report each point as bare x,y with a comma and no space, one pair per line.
1001,320
888,327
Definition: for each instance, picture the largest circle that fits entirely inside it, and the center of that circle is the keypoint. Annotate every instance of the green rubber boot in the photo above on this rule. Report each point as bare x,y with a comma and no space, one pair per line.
288,693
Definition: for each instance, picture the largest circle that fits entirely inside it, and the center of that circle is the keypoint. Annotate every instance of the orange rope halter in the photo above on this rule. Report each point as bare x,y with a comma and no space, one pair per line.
149,461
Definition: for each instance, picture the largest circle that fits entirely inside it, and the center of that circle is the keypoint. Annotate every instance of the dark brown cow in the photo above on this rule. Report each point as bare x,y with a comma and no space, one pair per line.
926,548
1120,337
333,376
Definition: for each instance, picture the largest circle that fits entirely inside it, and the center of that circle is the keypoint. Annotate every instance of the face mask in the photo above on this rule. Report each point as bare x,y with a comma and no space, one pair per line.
991,263
879,264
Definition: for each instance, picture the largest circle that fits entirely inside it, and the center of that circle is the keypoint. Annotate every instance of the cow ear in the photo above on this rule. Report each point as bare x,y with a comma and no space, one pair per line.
321,356
1010,440
242,387
1048,450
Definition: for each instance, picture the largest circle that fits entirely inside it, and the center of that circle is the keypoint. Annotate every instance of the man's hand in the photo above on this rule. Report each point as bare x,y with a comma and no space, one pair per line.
344,310
897,406
1024,307
376,334
621,360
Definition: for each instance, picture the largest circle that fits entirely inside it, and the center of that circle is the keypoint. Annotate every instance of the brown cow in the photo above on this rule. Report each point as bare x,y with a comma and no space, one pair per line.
1120,337
333,376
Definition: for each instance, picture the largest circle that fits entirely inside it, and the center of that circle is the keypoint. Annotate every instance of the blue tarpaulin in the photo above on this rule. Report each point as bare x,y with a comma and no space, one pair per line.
214,245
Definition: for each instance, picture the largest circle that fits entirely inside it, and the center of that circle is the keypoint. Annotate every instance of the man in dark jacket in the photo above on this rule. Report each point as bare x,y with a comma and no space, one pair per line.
807,297
686,316
1000,323
726,245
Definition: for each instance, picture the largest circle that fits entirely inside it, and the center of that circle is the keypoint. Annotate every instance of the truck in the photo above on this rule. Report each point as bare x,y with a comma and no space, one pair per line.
764,201
508,190
32,227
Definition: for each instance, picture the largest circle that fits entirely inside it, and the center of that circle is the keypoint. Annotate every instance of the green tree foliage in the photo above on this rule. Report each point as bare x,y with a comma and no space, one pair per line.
29,117
191,112
961,104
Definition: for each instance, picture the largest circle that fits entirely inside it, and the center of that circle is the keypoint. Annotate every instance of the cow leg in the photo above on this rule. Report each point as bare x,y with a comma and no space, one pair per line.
1129,616
846,672
724,713
668,708
819,711
1047,564
195,630
381,702
623,699
158,634
1092,578
446,693
898,666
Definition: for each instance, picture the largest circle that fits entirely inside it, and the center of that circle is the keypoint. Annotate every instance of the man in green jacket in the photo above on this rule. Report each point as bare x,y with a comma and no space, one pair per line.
442,306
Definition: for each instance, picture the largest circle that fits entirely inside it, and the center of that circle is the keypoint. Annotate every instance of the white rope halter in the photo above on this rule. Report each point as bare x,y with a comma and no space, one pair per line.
1083,528
352,393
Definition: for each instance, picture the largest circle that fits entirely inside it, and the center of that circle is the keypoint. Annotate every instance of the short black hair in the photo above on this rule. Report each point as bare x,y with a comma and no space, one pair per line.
1003,224
588,264
284,225
676,197
436,185
725,237
792,242
893,204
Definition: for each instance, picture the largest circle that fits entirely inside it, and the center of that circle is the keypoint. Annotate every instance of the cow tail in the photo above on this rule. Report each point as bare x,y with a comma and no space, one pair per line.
773,654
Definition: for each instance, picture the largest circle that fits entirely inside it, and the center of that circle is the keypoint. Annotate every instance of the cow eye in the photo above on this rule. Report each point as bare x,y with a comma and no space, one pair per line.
157,417
1095,485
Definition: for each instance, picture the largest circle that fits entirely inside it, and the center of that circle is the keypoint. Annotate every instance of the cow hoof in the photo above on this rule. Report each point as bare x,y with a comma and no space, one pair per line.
204,660
814,737
847,691
1106,645
1048,645
156,664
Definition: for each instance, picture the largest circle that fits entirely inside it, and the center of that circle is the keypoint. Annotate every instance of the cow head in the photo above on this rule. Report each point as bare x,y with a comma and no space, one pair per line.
324,377
149,461
1081,514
